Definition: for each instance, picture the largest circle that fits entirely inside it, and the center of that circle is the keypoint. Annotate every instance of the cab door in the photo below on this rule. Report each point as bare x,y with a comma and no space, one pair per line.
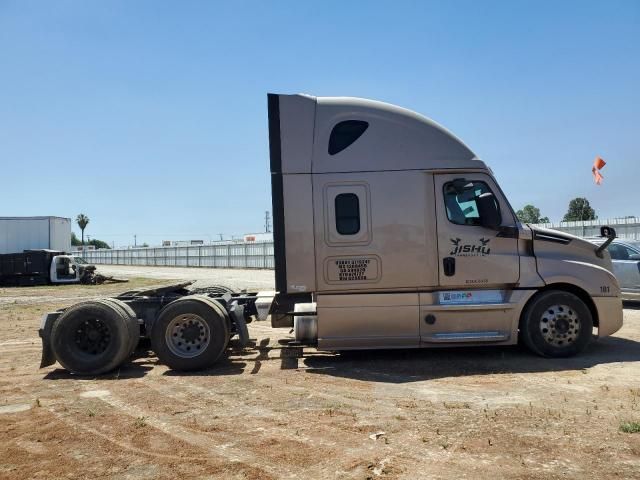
470,255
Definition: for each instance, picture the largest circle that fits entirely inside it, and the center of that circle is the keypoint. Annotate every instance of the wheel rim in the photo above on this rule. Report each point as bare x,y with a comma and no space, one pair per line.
187,335
93,336
560,325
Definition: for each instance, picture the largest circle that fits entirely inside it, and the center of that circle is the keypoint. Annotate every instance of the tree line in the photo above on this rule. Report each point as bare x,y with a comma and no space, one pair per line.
579,209
82,220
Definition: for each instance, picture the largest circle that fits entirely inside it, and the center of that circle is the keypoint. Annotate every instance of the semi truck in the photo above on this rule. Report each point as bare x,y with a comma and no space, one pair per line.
389,232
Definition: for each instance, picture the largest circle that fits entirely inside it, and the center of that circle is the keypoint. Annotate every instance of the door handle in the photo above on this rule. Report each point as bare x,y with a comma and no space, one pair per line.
449,266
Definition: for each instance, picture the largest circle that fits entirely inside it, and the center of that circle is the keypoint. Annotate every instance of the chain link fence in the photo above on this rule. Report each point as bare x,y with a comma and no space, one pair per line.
229,255
627,228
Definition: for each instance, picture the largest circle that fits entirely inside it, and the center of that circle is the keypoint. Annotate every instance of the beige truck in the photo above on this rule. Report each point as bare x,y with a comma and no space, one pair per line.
399,236
389,232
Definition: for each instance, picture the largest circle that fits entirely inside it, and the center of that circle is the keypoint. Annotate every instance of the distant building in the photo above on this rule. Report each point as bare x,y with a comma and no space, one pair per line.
181,243
258,237
82,248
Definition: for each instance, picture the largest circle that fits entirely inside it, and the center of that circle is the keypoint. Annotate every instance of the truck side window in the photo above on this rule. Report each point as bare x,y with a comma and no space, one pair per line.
347,213
461,202
344,134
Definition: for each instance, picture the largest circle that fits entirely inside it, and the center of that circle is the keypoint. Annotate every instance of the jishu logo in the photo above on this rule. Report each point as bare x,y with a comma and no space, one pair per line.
470,250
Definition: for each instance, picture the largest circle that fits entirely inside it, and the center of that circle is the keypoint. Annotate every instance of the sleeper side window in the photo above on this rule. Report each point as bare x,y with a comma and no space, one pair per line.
460,201
344,134
347,208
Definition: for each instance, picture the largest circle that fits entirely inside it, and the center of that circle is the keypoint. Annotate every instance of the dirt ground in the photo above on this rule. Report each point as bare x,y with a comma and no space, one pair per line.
447,413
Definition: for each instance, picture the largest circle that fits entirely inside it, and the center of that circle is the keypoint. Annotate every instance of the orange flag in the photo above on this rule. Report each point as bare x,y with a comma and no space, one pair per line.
598,163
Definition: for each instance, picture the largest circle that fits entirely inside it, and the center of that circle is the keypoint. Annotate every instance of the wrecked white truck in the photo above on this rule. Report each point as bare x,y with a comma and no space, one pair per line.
388,233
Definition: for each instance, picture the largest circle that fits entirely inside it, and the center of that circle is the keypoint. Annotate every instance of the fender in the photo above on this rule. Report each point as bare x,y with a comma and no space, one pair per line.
594,279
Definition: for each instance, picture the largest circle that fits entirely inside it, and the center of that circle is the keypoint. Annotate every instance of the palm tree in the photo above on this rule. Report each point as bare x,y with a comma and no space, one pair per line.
82,220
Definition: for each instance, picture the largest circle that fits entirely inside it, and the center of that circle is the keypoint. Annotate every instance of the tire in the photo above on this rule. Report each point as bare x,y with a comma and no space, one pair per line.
190,333
556,324
132,321
91,338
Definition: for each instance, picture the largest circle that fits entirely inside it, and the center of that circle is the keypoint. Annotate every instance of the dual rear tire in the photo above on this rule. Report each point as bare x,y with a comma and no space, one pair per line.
95,337
191,333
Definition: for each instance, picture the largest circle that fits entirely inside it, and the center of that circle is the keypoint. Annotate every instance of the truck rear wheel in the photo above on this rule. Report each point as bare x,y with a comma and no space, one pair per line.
190,333
92,337
132,321
556,324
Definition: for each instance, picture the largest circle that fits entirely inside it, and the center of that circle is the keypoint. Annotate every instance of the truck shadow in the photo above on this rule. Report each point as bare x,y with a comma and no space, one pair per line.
390,366
402,366
143,361
125,371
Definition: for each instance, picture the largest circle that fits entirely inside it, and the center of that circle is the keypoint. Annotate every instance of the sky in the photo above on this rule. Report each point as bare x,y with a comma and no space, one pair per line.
151,116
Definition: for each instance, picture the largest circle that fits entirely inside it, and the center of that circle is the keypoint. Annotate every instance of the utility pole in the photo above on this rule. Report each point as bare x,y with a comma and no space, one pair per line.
267,222
135,240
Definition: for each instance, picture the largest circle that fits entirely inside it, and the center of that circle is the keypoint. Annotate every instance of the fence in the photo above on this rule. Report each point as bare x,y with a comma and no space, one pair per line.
627,227
260,254
227,255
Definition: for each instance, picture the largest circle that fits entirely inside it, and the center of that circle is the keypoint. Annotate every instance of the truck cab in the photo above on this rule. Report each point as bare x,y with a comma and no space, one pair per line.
389,232
64,269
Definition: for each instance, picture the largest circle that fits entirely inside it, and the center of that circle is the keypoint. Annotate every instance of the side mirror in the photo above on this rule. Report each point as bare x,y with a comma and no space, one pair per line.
489,211
610,234
634,256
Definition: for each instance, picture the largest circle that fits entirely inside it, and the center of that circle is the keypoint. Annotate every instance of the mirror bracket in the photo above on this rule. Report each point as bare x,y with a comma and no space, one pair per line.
508,231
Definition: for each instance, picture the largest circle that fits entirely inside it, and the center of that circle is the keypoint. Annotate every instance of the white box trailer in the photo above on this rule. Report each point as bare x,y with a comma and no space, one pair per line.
18,234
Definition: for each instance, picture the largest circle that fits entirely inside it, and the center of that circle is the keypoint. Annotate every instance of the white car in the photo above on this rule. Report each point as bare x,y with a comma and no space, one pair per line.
625,256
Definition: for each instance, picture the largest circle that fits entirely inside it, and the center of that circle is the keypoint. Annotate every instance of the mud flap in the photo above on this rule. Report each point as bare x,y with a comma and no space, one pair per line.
237,315
48,319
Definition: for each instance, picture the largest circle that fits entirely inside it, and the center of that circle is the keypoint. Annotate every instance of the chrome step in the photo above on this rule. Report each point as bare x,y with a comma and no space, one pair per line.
455,337
468,307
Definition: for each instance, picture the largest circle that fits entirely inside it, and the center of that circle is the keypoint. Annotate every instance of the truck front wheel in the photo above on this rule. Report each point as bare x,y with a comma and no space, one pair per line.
190,333
556,324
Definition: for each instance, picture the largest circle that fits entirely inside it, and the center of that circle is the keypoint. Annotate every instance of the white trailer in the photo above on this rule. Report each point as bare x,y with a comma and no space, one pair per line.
18,234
